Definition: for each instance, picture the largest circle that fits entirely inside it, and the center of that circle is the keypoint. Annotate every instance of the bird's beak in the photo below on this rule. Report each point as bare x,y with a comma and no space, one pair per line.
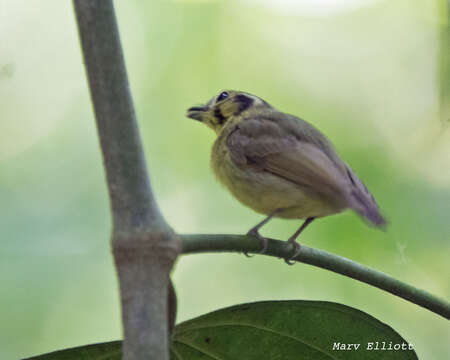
196,112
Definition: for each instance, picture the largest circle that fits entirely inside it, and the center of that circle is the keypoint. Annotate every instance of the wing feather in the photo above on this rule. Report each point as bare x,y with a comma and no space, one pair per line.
271,150
267,146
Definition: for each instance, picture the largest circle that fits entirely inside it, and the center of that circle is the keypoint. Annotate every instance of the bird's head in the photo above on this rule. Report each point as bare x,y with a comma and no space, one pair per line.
222,107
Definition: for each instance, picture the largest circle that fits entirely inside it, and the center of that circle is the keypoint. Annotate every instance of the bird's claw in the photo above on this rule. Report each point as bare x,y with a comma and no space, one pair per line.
262,239
297,251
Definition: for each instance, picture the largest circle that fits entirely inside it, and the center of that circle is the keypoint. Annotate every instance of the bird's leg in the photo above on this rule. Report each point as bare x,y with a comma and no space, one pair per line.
295,243
254,231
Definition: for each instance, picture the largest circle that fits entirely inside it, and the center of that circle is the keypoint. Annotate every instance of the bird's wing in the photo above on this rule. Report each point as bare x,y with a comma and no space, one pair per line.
266,146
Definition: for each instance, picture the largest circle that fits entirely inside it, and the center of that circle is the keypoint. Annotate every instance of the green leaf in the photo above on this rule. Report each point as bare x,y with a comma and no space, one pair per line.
282,330
286,330
104,351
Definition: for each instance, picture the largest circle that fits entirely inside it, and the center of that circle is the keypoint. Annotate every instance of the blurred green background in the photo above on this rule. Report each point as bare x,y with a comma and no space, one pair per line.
367,73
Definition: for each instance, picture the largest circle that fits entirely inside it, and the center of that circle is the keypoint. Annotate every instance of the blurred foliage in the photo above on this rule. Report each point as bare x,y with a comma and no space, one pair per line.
445,61
366,75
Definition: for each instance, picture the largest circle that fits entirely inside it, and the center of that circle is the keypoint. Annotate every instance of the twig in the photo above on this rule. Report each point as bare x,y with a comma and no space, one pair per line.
242,243
144,246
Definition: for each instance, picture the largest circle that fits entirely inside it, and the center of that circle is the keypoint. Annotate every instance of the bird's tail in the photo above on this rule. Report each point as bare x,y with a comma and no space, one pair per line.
362,201
367,208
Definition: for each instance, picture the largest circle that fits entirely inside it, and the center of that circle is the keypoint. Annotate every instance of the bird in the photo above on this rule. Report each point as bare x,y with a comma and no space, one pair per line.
280,165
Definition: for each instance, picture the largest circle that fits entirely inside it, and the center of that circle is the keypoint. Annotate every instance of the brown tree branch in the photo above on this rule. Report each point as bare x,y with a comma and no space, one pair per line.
143,244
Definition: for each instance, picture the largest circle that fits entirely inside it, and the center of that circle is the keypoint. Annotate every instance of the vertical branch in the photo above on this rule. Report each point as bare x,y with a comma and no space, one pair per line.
143,244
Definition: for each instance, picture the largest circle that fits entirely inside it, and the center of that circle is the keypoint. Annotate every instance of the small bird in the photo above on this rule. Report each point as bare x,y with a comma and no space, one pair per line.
280,165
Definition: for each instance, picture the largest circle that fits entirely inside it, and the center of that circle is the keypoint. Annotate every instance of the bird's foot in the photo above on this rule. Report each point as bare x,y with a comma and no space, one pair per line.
262,239
297,248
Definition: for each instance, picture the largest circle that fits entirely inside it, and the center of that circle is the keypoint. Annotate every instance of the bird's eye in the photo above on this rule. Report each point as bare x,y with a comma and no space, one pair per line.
223,95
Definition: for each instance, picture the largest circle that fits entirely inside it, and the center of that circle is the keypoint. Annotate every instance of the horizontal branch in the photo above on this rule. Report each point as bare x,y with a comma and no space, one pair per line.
242,243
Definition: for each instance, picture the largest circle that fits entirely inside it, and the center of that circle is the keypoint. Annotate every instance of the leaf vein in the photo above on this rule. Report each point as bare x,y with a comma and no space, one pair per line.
271,331
175,353
199,350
